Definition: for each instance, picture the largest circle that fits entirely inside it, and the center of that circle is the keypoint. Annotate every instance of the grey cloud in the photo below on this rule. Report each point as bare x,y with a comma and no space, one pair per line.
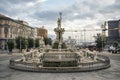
111,11
45,15
16,1
3,11
69,15
13,7
84,8
116,6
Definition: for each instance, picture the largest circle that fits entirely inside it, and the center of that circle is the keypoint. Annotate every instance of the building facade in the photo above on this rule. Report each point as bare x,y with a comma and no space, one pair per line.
10,29
114,31
42,32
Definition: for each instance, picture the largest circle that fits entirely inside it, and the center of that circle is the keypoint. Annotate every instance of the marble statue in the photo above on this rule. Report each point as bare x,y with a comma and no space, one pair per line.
59,20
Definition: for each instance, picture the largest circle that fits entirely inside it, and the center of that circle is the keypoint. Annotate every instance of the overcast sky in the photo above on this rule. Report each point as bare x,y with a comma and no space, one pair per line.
76,14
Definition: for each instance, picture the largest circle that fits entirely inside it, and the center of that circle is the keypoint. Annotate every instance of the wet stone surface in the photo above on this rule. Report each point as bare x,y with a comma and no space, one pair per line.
112,73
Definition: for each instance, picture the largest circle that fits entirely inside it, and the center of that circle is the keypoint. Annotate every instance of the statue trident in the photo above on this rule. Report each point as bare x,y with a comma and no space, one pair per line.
59,20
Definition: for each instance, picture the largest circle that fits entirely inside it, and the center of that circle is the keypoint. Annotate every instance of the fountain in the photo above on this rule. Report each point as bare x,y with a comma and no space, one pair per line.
60,59
59,32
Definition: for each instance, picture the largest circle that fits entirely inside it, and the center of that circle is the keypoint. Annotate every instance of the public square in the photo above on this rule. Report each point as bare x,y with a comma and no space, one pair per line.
59,39
112,73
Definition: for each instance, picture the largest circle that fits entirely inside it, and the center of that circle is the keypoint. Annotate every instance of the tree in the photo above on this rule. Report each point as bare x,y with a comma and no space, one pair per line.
100,43
55,45
10,44
30,43
21,43
64,46
48,41
37,43
115,44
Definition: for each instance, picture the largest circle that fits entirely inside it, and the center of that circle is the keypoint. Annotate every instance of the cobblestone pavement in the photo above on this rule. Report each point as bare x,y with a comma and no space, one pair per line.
112,73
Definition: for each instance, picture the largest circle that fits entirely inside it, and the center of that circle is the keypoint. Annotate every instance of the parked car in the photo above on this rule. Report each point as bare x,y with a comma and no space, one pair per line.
117,50
114,50
111,49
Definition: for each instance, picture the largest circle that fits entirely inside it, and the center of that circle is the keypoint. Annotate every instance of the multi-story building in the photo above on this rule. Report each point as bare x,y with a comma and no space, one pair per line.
35,33
114,31
10,29
42,32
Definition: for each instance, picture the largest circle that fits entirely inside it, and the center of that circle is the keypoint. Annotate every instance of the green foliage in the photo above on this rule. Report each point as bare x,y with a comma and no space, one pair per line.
64,46
17,40
30,43
37,43
99,41
55,45
115,44
48,41
10,44
21,42
47,50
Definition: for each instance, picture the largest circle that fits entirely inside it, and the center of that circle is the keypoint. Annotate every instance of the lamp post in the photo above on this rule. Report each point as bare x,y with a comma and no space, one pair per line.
20,39
21,29
7,37
102,38
84,37
103,33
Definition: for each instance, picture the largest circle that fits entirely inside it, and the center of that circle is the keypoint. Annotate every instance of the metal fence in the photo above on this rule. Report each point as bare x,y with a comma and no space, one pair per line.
102,63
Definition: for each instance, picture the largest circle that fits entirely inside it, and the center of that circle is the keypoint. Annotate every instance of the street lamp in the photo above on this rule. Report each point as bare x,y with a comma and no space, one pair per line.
84,37
20,39
103,26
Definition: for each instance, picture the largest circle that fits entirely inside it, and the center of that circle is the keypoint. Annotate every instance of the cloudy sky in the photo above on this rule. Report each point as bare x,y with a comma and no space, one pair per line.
76,14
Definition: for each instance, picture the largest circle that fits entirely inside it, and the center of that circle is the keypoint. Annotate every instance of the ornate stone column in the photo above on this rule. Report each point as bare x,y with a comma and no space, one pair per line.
59,32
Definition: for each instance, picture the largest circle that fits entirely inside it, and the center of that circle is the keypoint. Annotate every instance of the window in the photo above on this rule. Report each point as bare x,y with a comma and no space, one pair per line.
6,31
0,31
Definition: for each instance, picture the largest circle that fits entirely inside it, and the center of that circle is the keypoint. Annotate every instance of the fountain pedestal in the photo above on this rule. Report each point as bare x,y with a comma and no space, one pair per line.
59,33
